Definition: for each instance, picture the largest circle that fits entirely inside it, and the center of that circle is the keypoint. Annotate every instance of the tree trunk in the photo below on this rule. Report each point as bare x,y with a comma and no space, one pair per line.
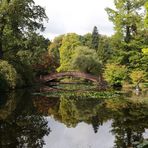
128,31
128,34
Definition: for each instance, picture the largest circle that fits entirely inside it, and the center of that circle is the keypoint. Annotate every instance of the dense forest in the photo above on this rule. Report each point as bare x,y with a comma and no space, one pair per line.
122,59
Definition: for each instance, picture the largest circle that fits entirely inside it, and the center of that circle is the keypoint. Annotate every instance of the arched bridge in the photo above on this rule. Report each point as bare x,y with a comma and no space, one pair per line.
83,75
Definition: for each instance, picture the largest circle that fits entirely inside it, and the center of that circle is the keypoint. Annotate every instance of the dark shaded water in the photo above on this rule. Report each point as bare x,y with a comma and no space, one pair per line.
73,120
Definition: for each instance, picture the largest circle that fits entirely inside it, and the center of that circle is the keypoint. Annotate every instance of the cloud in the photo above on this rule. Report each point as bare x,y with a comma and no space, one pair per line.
82,136
79,16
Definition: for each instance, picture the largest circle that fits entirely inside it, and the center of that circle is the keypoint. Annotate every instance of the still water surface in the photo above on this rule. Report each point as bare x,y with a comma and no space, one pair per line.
73,120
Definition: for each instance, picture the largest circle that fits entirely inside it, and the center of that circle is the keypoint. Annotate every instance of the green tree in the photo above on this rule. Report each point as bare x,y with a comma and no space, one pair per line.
95,39
104,50
86,40
31,59
35,42
8,76
18,17
54,50
130,35
115,74
40,59
86,60
69,43
127,18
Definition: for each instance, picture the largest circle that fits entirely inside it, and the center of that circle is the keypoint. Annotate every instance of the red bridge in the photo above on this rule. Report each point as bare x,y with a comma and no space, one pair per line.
50,77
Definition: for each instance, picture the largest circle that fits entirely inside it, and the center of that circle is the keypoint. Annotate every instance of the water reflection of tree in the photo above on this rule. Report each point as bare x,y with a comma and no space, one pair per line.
22,126
130,119
96,123
73,110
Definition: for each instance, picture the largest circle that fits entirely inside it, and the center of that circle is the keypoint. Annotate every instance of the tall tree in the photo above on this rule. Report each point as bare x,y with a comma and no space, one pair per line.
67,49
127,18
104,50
18,17
53,50
95,39
86,40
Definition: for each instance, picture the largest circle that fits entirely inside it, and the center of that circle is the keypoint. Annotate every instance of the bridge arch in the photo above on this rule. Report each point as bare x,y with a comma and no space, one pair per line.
83,75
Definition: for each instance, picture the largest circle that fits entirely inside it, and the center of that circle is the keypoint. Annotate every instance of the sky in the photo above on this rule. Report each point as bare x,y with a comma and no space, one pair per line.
79,16
81,136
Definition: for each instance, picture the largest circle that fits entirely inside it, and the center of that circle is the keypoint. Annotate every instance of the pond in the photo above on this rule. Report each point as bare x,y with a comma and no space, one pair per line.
73,119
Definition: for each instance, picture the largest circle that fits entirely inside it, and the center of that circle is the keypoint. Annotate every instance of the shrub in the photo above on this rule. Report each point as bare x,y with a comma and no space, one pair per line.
115,74
8,75
137,76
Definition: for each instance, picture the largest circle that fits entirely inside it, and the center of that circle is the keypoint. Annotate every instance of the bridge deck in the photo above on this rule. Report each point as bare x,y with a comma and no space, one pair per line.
71,74
102,84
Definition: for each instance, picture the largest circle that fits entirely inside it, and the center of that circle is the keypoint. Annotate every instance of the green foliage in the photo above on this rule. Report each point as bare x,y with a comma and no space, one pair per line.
32,55
19,42
30,58
95,39
138,60
24,14
16,20
82,95
86,40
135,59
126,18
54,50
145,51
137,76
43,63
144,144
68,112
130,36
24,68
24,56
8,76
144,65
69,43
40,59
22,64
35,42
30,64
86,60
115,74
104,50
